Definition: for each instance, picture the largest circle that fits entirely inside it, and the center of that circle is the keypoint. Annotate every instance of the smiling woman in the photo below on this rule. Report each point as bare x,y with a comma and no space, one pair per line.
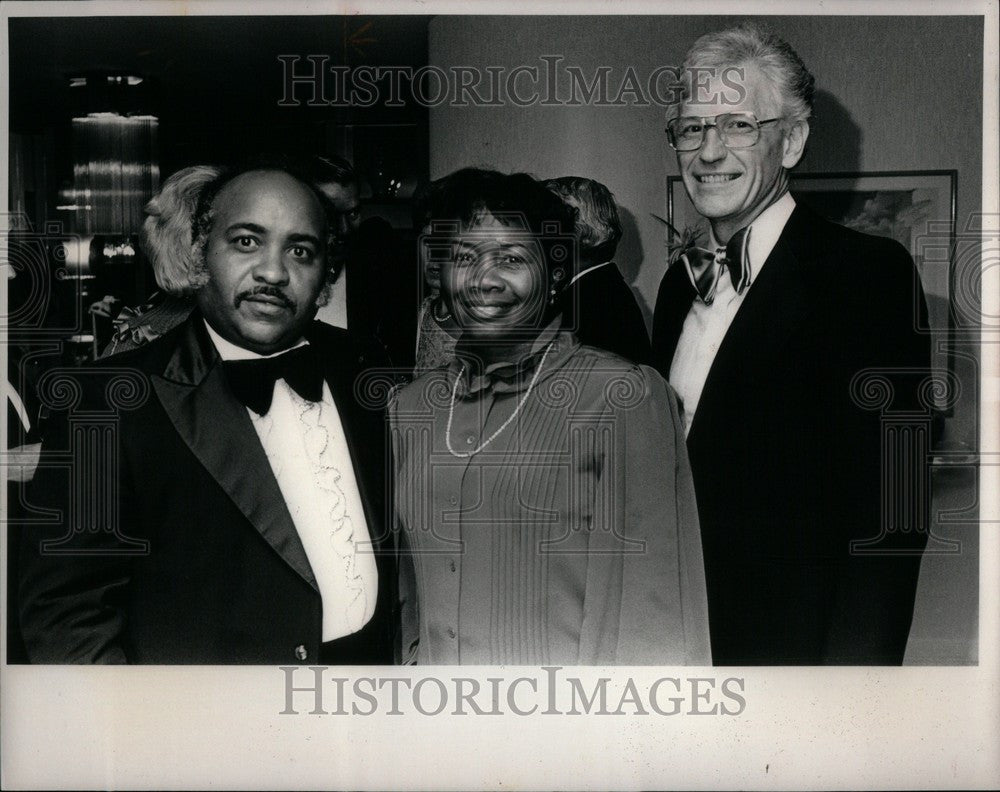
495,286
543,494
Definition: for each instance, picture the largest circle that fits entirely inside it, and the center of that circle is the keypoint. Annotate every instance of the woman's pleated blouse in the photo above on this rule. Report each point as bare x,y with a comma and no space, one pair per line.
571,538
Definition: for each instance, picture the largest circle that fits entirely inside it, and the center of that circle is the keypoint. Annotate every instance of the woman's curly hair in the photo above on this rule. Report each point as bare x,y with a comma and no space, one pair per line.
166,235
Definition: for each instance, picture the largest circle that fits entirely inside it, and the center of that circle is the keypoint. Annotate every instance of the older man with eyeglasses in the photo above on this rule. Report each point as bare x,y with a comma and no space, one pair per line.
812,544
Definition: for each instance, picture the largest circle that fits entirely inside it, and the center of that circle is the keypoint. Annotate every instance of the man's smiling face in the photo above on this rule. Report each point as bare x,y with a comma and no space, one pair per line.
731,187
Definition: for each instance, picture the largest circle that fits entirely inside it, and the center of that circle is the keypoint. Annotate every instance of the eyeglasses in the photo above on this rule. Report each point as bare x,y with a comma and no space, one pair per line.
736,130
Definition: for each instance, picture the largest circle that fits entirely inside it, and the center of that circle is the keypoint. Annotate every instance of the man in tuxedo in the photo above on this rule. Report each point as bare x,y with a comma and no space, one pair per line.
771,338
235,514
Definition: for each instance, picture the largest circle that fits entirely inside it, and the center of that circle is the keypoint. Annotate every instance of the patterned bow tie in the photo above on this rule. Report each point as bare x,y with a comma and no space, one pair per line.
705,266
252,381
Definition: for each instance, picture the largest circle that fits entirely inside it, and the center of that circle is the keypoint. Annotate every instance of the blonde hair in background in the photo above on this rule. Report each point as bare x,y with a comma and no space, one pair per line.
167,231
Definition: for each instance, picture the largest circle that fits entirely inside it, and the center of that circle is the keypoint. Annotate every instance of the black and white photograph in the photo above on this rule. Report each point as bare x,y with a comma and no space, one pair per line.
420,395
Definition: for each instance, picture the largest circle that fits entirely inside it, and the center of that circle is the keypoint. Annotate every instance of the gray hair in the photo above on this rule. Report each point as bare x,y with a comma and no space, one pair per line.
747,44
598,225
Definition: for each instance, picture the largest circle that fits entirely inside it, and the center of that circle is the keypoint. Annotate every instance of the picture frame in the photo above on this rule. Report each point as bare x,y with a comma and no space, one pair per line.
916,208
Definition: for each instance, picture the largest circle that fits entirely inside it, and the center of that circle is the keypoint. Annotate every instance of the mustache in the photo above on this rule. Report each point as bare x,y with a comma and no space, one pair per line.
270,291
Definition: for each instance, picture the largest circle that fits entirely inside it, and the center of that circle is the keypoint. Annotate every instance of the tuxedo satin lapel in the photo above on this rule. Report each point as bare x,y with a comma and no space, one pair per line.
673,301
217,429
777,302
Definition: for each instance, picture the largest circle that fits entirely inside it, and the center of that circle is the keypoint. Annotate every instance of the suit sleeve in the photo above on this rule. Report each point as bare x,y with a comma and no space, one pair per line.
71,581
662,611
884,497
409,615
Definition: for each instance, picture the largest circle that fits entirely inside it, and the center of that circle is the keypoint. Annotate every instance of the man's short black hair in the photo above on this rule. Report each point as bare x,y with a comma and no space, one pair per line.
302,170
336,170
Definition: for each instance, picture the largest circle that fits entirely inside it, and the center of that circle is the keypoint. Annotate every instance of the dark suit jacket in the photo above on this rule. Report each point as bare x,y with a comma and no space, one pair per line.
603,313
787,464
206,565
384,289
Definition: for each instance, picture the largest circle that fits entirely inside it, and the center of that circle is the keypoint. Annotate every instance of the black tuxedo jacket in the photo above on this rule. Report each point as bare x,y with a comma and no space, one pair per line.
787,462
206,565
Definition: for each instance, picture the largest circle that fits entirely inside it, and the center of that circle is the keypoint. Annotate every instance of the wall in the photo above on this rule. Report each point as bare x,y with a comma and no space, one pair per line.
895,93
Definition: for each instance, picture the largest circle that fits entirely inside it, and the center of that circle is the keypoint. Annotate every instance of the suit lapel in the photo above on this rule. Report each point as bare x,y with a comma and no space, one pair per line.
342,366
776,304
217,429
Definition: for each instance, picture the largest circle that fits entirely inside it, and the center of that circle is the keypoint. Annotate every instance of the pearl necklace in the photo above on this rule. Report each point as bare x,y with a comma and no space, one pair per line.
496,434
439,319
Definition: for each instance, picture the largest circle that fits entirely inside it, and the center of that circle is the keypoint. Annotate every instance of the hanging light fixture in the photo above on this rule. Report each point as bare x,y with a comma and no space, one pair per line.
115,154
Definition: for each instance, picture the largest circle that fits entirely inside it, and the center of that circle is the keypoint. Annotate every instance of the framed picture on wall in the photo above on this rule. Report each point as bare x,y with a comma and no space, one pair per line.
916,208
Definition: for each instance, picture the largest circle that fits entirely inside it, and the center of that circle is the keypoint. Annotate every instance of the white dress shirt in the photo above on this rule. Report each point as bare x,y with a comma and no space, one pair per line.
306,447
705,326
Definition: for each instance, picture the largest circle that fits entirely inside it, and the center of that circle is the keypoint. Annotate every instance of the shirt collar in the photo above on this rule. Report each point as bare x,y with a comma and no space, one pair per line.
766,228
230,351
580,274
513,376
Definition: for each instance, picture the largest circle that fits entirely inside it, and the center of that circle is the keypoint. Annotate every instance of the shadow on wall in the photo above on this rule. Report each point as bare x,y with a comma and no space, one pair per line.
833,136
628,257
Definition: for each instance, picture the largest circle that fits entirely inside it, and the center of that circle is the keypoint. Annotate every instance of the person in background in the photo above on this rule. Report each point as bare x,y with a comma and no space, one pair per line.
542,489
166,241
375,294
600,307
337,180
767,336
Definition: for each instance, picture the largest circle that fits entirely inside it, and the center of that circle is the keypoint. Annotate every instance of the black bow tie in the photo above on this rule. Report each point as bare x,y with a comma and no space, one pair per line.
252,381
702,268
